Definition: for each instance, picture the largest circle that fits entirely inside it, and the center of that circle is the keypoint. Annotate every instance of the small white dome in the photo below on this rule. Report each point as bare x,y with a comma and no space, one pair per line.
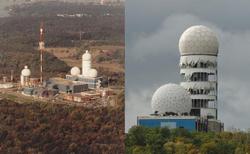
26,71
171,98
198,40
92,73
75,71
86,56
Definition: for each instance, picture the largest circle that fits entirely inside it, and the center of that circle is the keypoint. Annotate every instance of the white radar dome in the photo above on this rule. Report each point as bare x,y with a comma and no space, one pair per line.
26,71
86,56
171,98
92,73
198,40
75,71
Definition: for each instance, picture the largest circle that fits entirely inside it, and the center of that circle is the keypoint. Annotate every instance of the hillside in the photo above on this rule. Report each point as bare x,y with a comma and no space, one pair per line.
49,128
19,33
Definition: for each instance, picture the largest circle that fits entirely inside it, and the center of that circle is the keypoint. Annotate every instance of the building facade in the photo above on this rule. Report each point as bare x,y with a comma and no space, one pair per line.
198,68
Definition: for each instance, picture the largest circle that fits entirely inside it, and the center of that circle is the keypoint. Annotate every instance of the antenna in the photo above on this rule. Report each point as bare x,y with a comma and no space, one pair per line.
80,35
12,75
41,48
102,2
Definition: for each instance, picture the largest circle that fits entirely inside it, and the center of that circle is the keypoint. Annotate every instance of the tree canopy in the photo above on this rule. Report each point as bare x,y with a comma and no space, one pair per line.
143,140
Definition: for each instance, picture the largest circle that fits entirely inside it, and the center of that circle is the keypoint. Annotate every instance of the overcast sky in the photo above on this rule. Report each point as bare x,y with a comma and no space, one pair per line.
153,28
3,4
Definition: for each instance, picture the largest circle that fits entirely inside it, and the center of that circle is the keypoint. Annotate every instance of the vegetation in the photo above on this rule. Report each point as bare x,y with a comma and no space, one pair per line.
19,33
50,128
22,27
16,62
142,140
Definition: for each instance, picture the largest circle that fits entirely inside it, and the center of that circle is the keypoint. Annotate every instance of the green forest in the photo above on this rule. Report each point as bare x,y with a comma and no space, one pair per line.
142,140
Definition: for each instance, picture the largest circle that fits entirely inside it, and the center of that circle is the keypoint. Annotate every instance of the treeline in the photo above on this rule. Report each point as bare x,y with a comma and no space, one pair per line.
49,128
142,140
22,33
52,8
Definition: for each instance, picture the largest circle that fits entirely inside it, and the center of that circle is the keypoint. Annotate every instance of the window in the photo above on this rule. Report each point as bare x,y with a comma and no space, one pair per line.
170,125
202,65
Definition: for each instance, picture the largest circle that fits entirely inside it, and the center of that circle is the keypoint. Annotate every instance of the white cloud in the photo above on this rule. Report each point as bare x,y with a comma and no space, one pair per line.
164,39
137,102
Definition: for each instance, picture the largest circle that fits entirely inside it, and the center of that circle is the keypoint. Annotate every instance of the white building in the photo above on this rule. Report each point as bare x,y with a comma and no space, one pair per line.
25,76
88,76
198,47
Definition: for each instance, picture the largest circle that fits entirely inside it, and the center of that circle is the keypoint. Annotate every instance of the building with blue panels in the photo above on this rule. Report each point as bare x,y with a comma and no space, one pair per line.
187,122
172,104
191,123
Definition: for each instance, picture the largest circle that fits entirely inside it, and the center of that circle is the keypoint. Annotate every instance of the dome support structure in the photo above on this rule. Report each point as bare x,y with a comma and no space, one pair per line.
198,47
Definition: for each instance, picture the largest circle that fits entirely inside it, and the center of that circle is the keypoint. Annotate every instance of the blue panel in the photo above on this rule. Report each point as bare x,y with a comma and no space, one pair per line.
188,124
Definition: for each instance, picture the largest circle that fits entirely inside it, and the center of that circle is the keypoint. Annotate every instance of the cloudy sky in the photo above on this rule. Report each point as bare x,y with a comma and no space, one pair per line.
3,4
153,28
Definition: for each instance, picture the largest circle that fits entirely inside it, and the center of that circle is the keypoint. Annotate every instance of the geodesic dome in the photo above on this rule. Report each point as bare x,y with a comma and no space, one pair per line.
171,98
26,71
198,40
75,71
92,73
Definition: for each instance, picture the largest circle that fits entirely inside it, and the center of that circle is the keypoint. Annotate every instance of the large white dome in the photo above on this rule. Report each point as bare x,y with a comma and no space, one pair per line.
171,98
92,73
26,72
198,40
86,56
75,71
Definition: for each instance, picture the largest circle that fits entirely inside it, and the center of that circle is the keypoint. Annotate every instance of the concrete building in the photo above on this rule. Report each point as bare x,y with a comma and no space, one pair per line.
89,75
25,76
28,91
65,86
39,92
5,84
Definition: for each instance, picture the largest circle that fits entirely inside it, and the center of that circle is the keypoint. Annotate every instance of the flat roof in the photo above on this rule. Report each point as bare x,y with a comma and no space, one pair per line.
61,80
166,117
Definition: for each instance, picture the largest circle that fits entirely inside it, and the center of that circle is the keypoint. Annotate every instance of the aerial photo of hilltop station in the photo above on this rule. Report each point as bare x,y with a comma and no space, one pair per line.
62,77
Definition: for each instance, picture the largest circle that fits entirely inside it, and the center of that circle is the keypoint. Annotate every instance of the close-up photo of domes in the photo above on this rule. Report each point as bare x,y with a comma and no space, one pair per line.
186,77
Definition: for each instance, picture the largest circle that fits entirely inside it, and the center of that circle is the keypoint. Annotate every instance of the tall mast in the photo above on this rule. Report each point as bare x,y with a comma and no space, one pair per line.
41,49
